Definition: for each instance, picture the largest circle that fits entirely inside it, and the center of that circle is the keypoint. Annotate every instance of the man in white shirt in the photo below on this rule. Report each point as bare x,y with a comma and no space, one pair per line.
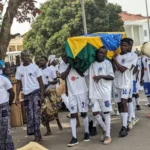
145,77
136,83
78,100
29,77
101,76
135,97
7,97
49,78
132,119
122,83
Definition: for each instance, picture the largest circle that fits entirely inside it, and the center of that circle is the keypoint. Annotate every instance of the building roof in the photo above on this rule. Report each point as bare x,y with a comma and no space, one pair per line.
131,17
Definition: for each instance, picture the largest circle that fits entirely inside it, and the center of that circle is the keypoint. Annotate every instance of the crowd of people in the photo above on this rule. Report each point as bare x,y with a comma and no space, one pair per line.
94,90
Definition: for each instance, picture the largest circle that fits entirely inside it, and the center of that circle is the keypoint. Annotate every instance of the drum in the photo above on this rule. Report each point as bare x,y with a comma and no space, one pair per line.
146,49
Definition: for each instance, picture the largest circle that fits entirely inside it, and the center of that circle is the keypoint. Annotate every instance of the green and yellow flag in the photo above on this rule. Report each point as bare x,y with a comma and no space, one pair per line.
81,50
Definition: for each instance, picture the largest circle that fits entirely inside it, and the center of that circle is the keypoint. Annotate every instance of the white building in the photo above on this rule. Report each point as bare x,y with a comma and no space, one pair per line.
136,27
15,47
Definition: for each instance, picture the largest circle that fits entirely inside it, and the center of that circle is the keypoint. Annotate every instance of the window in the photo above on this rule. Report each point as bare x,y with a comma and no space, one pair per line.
145,32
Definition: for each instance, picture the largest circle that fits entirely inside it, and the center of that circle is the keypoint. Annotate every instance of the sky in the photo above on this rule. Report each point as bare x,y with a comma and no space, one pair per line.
131,6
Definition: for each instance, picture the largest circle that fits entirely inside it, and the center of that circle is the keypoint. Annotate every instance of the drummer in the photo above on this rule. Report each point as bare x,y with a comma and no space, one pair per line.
49,80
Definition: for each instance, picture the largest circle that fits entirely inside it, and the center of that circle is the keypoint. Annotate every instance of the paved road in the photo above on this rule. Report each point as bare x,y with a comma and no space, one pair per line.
138,138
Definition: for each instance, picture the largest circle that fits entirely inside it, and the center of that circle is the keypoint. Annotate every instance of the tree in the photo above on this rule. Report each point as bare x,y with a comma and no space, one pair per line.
14,8
62,19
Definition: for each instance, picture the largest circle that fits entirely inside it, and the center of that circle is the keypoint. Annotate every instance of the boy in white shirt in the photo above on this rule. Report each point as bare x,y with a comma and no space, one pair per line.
132,120
78,100
7,97
49,78
101,76
29,77
122,83
145,77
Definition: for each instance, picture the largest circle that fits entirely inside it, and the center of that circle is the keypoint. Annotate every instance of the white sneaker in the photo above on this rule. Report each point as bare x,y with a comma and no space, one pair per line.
130,125
107,140
135,120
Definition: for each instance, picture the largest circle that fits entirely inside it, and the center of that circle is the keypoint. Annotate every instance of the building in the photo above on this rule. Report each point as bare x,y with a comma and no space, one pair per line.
136,27
15,47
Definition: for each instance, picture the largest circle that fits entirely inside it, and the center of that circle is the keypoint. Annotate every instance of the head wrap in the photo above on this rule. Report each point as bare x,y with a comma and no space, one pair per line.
52,58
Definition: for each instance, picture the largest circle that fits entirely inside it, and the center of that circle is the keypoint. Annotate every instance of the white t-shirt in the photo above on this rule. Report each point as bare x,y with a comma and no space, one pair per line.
28,76
138,68
5,85
63,67
134,60
75,83
123,80
145,61
101,90
1,71
49,74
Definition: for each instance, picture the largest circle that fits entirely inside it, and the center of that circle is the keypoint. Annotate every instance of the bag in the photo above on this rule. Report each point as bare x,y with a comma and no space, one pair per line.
33,146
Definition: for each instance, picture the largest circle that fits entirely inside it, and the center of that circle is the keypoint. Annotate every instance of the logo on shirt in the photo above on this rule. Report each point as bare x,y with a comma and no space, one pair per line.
100,69
123,61
30,74
46,77
22,75
73,78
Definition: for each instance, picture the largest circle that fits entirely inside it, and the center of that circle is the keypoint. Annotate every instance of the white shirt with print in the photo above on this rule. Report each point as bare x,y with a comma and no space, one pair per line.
145,61
28,76
5,85
75,83
101,90
123,80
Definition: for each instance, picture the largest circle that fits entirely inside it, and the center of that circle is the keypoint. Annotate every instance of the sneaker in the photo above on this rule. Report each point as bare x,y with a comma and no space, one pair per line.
86,137
107,140
73,142
135,120
138,107
103,136
123,132
93,131
130,125
146,104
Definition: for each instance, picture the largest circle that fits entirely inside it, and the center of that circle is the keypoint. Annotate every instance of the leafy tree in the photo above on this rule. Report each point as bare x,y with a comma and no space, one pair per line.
18,9
62,19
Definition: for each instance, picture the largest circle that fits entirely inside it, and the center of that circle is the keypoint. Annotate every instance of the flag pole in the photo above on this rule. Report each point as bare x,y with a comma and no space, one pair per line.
83,16
148,23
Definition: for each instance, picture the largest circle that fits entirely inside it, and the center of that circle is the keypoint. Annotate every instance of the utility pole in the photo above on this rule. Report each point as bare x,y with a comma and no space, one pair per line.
84,17
148,23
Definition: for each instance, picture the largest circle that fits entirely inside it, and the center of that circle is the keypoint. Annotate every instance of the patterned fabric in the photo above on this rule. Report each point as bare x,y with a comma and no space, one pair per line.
32,106
49,111
6,142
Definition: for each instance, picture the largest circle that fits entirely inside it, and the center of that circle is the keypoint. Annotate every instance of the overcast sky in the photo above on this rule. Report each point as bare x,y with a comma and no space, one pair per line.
131,6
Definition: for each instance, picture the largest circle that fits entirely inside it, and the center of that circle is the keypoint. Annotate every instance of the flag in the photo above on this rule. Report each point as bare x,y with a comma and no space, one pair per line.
81,50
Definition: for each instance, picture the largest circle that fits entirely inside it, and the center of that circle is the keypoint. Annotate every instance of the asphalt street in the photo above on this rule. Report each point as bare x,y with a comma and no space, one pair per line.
137,139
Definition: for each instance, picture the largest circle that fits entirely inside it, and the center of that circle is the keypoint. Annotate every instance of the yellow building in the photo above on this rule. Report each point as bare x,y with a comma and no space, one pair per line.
15,47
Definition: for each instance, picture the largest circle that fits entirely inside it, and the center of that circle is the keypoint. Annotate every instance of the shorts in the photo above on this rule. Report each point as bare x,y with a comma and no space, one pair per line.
101,105
147,88
78,103
119,94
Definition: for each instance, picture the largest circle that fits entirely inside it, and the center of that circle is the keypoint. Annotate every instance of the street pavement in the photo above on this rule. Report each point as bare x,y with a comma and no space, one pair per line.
137,139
